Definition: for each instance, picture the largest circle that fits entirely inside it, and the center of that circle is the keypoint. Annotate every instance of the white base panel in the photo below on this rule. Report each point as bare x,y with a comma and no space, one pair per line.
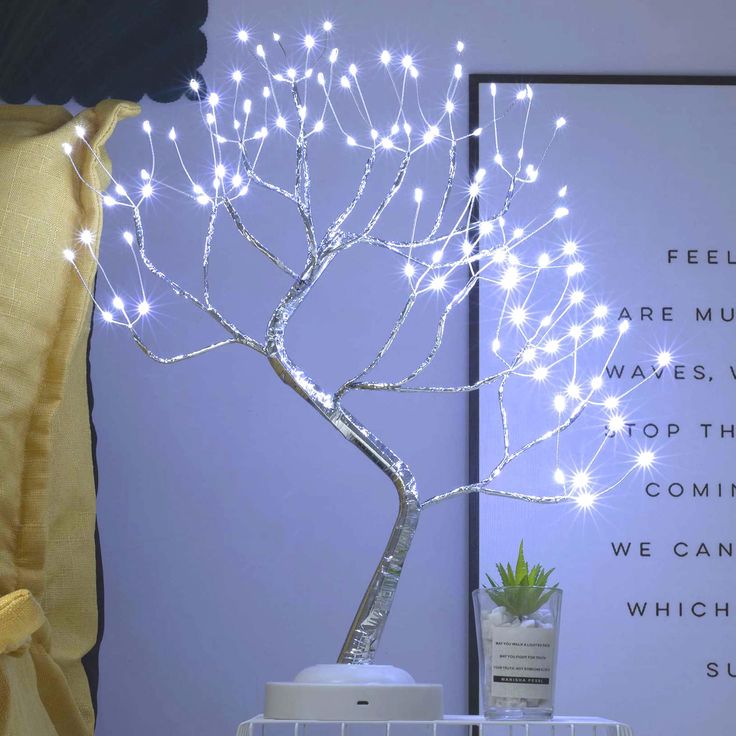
349,692
297,701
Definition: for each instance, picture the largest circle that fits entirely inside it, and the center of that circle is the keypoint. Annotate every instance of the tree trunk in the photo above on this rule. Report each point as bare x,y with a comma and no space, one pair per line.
367,626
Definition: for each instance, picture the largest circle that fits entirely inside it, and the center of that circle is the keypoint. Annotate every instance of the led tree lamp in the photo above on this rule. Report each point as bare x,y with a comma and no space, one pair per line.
545,324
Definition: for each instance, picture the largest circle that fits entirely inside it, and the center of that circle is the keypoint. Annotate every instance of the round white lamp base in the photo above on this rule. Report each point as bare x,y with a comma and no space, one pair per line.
353,692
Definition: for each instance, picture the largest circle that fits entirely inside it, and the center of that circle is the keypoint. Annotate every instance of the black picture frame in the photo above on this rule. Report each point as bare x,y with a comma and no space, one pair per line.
475,81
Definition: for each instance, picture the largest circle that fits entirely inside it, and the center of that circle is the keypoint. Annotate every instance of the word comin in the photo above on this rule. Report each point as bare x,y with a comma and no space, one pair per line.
693,490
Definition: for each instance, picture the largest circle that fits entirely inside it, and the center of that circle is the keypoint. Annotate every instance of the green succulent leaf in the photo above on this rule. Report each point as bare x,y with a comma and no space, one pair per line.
520,590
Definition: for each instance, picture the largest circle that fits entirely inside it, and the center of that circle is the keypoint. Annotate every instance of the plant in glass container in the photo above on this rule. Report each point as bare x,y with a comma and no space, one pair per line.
517,627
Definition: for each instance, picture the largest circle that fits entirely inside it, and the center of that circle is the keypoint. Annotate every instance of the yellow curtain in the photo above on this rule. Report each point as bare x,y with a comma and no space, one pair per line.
48,601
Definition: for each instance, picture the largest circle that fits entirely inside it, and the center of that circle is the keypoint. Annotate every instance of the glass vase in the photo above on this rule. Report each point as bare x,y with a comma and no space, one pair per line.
517,630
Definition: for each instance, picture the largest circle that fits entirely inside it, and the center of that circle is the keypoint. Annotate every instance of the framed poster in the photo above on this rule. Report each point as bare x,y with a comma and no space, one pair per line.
649,571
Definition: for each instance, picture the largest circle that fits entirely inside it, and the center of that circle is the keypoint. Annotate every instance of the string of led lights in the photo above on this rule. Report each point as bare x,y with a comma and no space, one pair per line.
306,92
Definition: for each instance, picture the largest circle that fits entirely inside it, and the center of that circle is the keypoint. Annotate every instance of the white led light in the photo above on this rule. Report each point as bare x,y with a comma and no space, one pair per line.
309,41
560,123
611,402
596,383
664,359
438,283
80,131
616,423
418,195
327,26
623,327
247,106
598,331
510,280
385,57
449,106
243,35
496,345
544,260
128,237
260,51
333,56
559,403
561,212
580,480
458,72
194,85
477,132
409,270
69,255
66,147
108,201
585,500
559,477
353,70
237,180
474,189
351,141
498,159
485,227
518,316
577,297
562,192
575,269
85,236
407,61
117,302
518,233
281,122
540,373
394,129
437,256
319,126
460,46
147,127
144,308
480,175
387,143
575,332
147,190
344,82
107,316
237,76
645,459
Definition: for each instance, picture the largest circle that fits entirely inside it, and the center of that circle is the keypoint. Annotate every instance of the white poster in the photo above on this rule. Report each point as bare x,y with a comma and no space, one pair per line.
648,633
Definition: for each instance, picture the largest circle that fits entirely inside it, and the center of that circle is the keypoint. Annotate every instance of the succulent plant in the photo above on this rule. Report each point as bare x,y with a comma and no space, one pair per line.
522,590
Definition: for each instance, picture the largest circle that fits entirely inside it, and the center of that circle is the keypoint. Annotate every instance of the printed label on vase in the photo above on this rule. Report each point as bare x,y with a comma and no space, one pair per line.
522,662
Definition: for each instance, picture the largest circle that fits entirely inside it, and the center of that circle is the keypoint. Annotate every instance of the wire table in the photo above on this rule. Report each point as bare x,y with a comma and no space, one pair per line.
449,726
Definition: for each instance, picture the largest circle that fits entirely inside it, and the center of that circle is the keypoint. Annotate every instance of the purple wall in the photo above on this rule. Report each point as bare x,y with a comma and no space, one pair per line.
236,548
